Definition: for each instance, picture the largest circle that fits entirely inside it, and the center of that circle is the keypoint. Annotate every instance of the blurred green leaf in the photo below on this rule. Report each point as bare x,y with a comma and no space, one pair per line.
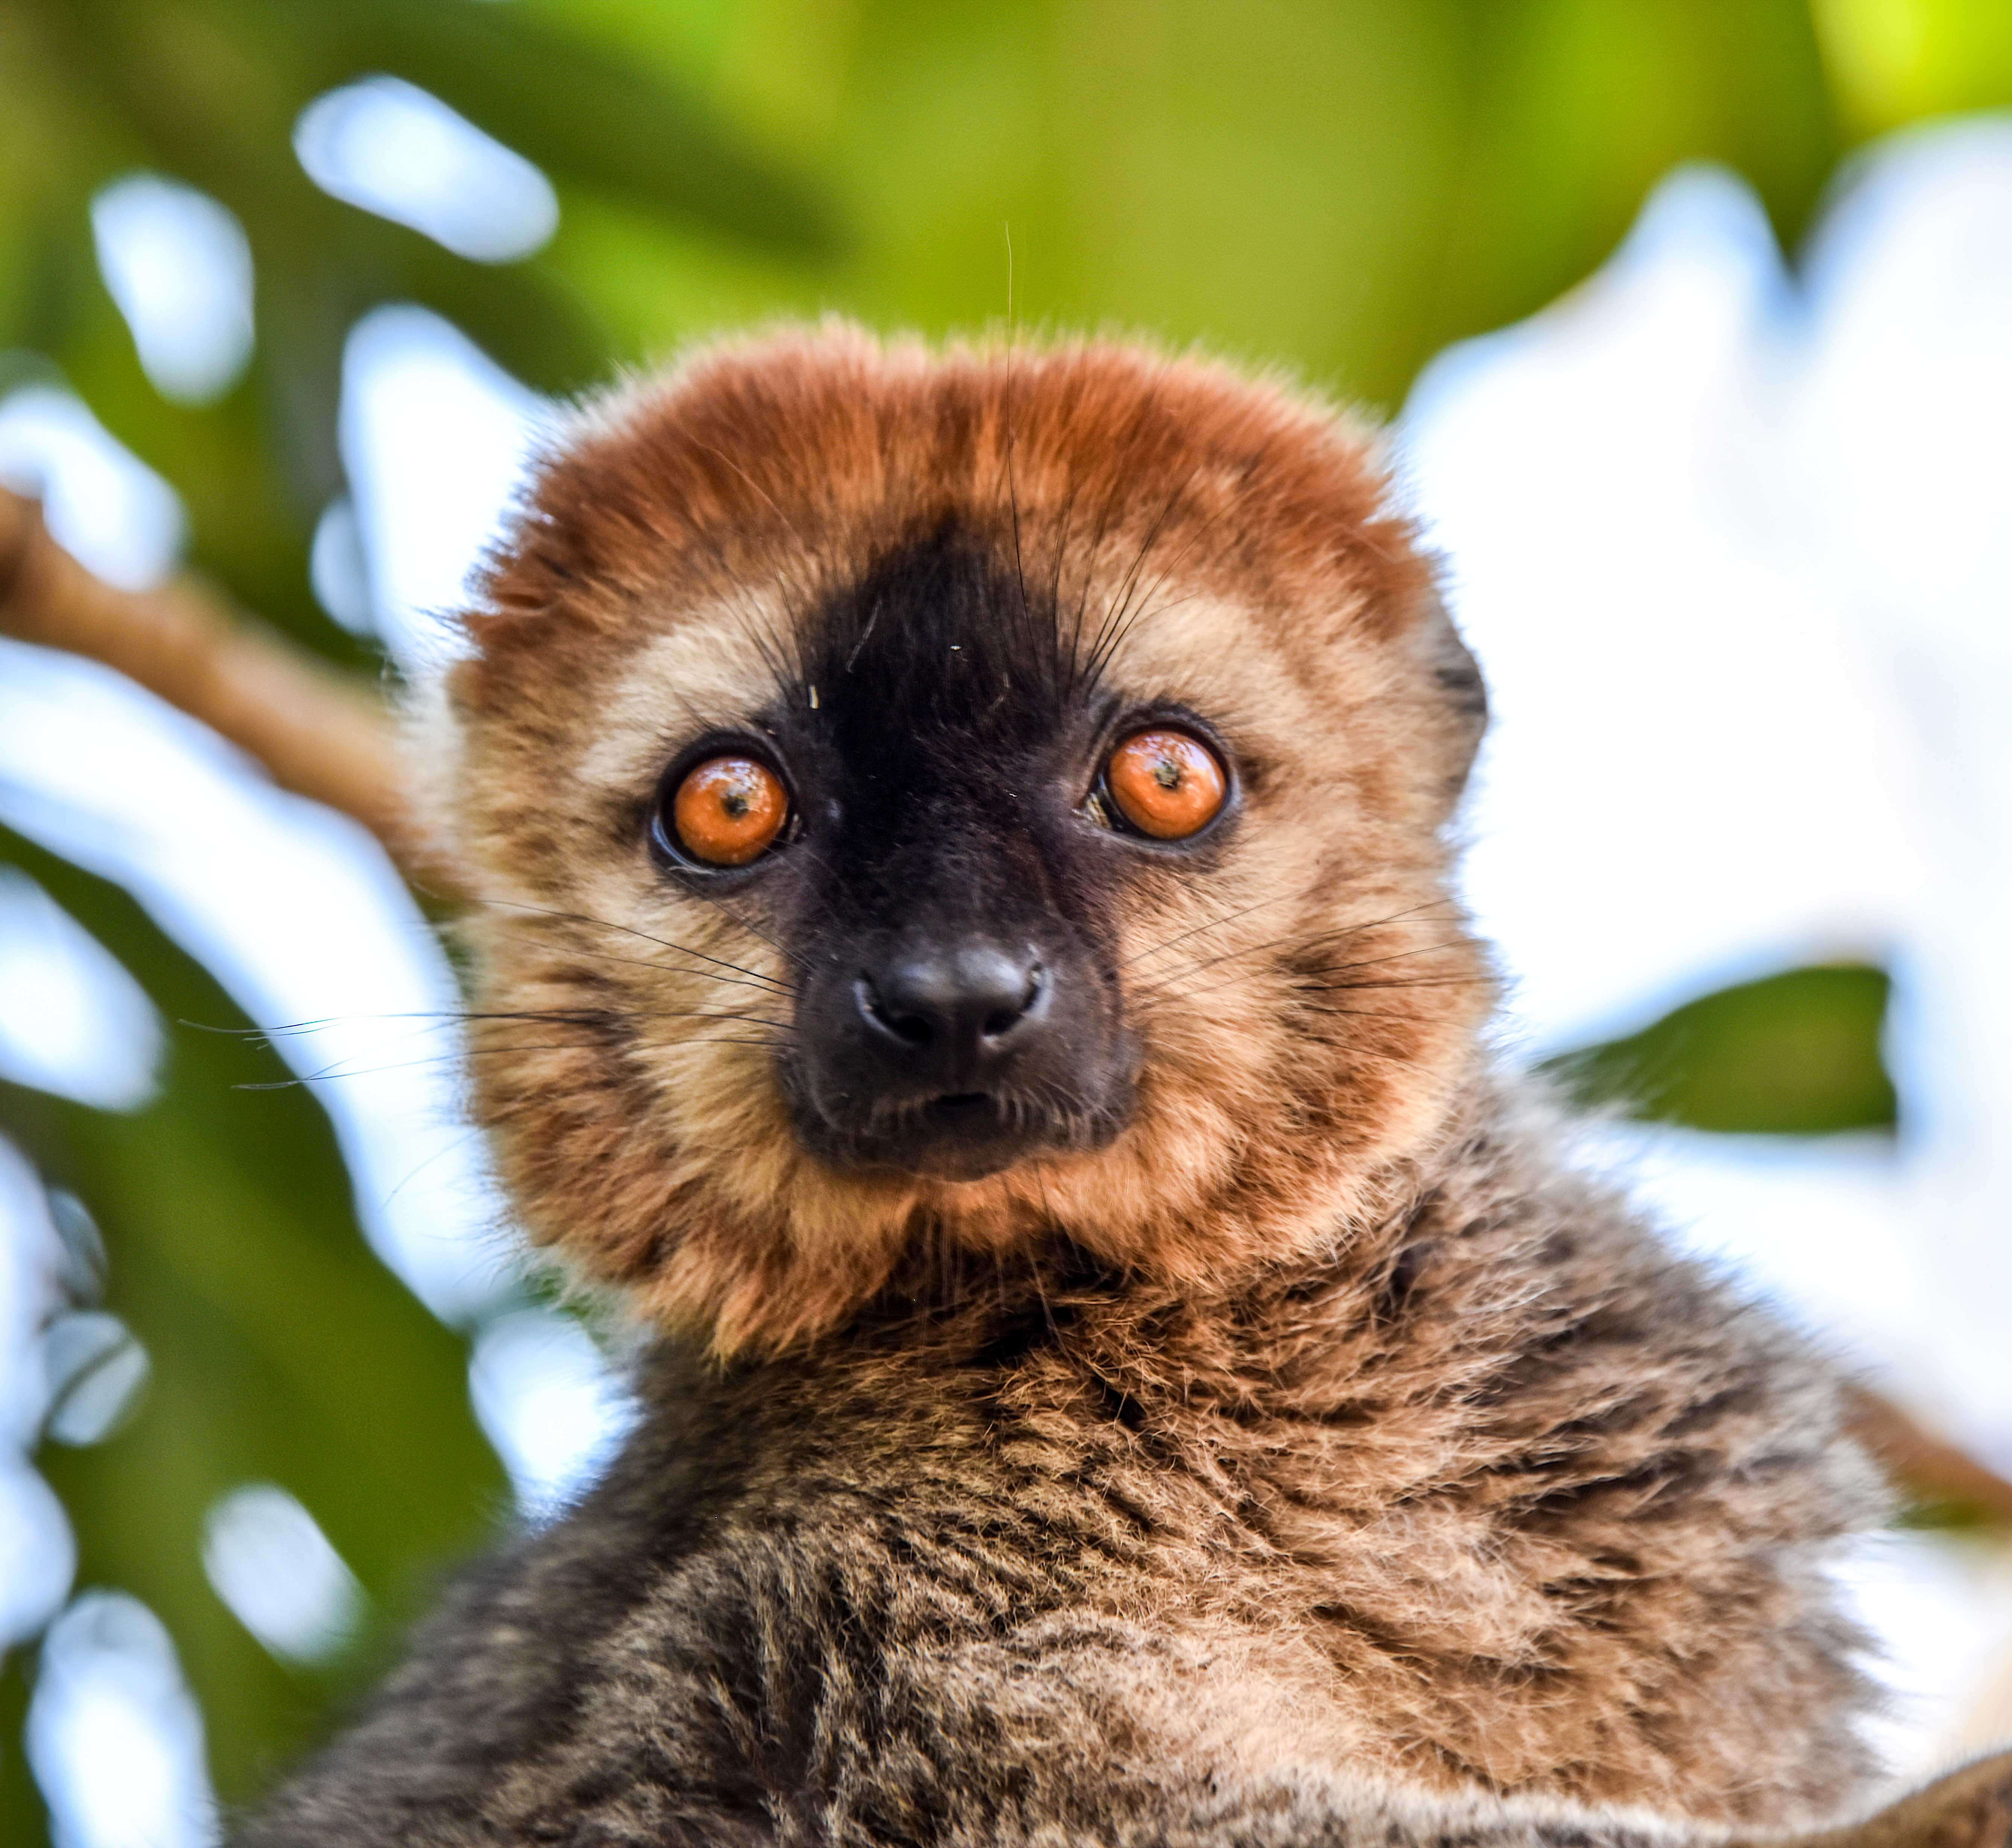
23,1815
283,1351
1792,1054
1348,185
1895,61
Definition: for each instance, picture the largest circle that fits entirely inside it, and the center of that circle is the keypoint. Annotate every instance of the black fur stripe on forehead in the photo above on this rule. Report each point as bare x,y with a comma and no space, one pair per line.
940,639
942,715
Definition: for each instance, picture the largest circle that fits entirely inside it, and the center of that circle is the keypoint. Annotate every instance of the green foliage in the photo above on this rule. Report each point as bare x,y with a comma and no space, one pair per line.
1791,1054
283,1351
1896,61
22,1818
1343,186
208,91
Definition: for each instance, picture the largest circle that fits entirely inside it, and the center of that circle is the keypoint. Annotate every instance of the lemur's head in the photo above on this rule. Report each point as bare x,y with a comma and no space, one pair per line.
923,802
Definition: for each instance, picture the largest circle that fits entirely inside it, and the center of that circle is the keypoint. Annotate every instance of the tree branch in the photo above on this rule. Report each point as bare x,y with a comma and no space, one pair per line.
318,731
1930,1467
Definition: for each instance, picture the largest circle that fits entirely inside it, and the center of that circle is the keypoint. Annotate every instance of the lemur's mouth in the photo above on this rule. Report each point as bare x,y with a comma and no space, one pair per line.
960,1136
966,1135
957,1136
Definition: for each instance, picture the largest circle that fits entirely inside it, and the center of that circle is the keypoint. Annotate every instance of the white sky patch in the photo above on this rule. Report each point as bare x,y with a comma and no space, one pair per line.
1940,1609
1682,785
31,1256
298,913
1900,428
550,1402
95,1371
1737,566
114,1736
178,264
99,500
72,1020
37,1552
437,439
269,1559
392,149
338,569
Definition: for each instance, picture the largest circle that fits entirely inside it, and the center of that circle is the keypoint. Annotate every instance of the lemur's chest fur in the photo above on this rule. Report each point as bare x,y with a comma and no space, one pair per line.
1503,1499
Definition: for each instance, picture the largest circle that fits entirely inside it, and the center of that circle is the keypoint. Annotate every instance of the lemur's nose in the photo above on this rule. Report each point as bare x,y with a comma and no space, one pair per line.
954,1010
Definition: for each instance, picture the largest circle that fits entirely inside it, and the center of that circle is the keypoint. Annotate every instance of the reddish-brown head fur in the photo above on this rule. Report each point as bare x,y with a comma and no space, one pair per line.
1302,1003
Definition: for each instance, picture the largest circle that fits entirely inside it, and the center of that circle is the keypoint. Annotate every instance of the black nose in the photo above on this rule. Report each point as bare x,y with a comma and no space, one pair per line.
954,1011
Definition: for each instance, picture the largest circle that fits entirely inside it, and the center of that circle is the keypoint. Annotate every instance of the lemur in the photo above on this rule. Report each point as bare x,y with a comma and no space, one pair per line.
964,949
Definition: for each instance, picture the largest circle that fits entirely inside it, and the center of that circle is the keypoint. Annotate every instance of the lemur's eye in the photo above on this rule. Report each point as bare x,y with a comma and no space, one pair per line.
727,811
1166,783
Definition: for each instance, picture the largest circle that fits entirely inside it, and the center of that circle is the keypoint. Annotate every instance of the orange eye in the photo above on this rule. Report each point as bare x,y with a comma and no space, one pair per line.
729,810
1168,784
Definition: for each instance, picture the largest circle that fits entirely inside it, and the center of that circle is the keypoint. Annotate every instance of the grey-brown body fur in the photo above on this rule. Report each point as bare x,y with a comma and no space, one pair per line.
1508,1501
1285,1444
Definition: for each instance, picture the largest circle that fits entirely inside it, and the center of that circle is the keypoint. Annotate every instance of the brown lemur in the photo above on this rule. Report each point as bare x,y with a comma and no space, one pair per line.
965,947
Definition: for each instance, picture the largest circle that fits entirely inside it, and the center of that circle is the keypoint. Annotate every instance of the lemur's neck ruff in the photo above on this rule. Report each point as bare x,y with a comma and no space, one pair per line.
933,803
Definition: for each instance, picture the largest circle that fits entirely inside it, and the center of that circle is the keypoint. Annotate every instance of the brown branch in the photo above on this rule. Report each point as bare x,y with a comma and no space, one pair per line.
318,731
1931,1468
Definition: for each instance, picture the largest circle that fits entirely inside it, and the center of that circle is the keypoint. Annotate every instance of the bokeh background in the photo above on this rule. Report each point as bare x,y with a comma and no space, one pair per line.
1693,320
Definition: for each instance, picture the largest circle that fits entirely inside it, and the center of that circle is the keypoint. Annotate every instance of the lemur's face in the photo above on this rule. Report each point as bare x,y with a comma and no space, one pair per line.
926,805
937,811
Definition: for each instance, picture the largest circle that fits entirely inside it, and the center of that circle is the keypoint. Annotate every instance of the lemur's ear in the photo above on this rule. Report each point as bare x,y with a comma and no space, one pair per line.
1456,676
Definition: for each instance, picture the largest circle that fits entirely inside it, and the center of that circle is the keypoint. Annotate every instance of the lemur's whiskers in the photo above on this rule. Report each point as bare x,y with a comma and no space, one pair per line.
717,962
1165,980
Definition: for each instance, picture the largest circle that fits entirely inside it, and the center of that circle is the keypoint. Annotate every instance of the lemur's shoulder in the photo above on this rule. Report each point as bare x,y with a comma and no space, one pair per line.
1535,1488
